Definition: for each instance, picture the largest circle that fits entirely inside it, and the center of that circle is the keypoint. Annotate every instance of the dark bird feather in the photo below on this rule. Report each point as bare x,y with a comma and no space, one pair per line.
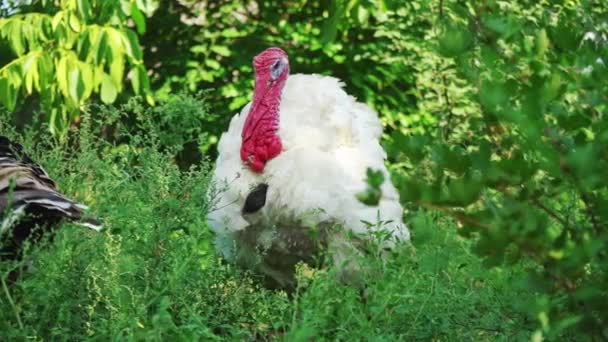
30,203
256,199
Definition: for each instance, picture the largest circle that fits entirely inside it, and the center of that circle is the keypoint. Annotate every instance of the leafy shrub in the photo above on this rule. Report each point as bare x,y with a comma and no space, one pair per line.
177,124
524,171
152,274
65,52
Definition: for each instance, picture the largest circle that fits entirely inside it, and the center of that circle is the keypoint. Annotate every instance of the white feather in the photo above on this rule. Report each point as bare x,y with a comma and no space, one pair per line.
329,140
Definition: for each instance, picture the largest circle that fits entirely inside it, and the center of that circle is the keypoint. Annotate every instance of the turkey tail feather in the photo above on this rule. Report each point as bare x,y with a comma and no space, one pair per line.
29,197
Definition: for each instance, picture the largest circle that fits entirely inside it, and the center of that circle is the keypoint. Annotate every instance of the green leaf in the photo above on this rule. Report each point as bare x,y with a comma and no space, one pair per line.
131,42
117,69
108,90
139,79
84,8
30,69
98,75
375,178
138,18
542,42
506,26
493,95
565,35
463,192
88,79
83,46
17,39
74,22
213,64
330,25
101,47
136,79
75,84
221,50
57,19
62,74
370,197
414,147
116,44
362,14
53,127
454,41
8,94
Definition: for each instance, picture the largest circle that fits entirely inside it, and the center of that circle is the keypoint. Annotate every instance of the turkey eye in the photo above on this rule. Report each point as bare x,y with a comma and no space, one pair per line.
276,69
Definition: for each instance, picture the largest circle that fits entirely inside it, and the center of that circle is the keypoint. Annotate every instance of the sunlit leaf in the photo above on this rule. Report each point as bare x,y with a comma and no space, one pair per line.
75,84
30,70
138,18
108,90
101,47
74,23
220,50
84,9
131,42
8,94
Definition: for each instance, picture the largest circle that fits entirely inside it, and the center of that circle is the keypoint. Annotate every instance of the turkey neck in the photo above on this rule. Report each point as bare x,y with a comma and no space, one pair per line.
263,116
260,139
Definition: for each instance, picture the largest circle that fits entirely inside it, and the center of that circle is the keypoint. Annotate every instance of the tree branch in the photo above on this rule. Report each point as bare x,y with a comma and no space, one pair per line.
550,212
460,216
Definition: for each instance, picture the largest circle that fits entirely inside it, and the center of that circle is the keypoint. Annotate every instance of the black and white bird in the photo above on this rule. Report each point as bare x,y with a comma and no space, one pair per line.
290,166
30,203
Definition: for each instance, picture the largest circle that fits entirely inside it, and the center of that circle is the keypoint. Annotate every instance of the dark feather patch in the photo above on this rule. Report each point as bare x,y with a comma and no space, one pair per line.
256,199
30,204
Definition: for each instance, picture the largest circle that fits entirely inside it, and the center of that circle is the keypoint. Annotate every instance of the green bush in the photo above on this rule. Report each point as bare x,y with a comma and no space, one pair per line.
152,274
61,53
495,115
524,172
177,124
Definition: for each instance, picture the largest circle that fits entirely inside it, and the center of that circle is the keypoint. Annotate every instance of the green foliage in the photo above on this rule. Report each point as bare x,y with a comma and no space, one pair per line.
68,51
178,124
524,172
494,112
152,273
373,193
210,45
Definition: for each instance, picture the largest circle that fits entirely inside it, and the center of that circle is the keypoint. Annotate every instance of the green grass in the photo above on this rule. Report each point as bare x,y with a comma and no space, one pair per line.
152,274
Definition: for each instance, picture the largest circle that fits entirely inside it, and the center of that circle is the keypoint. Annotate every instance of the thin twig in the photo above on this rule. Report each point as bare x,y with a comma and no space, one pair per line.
559,146
448,104
550,212
12,303
590,212
540,205
448,129
460,216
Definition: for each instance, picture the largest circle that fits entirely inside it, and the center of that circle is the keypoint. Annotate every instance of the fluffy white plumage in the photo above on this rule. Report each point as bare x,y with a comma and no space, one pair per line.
329,141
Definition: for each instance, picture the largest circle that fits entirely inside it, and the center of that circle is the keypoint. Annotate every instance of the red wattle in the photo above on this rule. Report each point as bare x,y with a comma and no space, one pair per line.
260,141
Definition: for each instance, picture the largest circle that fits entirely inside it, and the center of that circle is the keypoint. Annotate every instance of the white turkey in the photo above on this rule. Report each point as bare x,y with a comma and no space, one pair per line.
288,171
30,204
